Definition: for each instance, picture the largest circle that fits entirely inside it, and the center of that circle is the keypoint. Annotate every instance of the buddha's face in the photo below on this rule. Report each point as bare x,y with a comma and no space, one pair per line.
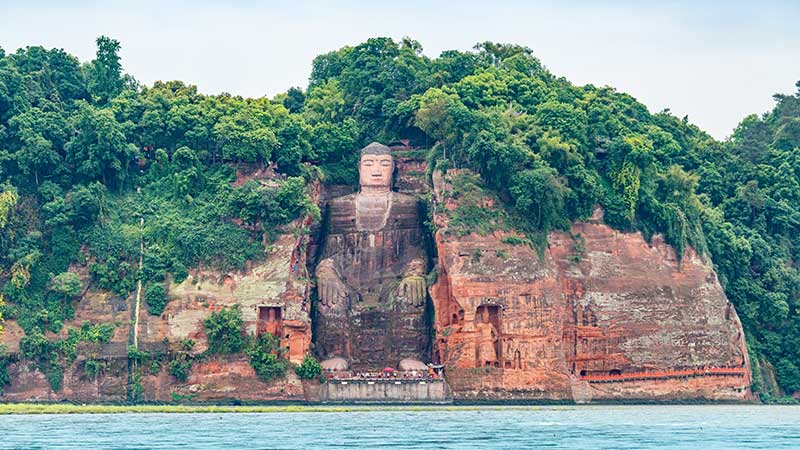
375,172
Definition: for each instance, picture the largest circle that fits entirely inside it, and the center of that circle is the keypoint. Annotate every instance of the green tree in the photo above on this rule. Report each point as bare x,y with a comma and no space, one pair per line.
67,284
156,297
41,136
294,100
225,331
265,357
788,375
269,206
2,320
245,139
540,191
443,117
325,103
569,121
485,89
8,200
98,149
105,71
309,369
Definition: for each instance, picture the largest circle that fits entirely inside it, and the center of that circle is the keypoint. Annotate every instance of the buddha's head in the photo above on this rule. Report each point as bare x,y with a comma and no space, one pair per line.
375,169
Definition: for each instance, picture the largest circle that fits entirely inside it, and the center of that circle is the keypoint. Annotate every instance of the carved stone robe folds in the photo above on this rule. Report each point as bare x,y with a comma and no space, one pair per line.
372,295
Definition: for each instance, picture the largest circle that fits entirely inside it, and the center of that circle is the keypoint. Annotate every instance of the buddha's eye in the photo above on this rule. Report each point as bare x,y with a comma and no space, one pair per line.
385,163
367,163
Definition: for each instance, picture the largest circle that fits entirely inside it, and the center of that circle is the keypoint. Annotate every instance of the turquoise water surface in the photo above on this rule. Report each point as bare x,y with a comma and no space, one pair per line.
563,427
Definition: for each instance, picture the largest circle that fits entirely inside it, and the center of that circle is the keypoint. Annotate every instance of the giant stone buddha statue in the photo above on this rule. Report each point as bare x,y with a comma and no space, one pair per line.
371,289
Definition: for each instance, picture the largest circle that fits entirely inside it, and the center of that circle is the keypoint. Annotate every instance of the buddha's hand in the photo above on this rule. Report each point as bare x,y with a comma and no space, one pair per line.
331,290
412,290
412,287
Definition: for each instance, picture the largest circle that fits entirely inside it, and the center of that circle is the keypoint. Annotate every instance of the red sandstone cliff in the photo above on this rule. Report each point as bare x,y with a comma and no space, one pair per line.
601,315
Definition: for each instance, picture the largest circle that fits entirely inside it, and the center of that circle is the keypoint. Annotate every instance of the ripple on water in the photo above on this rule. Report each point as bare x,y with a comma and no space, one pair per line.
601,427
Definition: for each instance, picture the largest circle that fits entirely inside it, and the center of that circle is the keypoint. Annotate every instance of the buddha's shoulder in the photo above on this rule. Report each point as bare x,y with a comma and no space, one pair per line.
403,198
404,205
343,201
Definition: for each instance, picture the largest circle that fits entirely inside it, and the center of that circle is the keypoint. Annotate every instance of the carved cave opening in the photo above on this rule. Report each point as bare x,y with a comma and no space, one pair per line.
489,314
488,348
457,316
270,320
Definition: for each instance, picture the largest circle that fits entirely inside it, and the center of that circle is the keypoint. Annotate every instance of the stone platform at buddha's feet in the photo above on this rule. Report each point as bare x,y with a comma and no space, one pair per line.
385,391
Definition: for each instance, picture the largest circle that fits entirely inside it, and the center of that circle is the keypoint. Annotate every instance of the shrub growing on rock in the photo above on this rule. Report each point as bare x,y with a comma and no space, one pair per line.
91,367
266,359
789,375
55,376
309,369
67,284
181,366
4,362
156,297
225,331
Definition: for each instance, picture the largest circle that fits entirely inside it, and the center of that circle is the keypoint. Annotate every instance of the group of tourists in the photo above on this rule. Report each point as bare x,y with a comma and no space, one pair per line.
383,375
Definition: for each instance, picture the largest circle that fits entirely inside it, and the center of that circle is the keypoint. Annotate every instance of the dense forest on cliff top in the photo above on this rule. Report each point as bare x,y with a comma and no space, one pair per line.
86,152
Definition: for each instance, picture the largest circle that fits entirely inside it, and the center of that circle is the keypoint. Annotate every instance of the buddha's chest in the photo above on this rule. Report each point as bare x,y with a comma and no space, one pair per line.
373,215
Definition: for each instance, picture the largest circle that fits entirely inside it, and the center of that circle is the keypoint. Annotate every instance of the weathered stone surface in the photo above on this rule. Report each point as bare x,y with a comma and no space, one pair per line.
410,174
277,286
667,314
273,296
598,304
385,391
12,333
29,384
519,348
222,378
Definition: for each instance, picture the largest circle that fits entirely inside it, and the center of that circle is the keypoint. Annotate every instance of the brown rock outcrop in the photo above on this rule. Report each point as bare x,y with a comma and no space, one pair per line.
601,315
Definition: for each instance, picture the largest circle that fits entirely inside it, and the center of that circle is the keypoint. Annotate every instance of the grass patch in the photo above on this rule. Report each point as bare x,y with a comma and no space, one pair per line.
60,408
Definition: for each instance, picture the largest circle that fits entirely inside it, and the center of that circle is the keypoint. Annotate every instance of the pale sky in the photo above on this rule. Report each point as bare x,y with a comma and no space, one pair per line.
713,61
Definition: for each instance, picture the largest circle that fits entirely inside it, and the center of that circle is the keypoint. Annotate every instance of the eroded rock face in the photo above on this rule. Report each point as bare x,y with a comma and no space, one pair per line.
222,378
600,315
499,320
273,297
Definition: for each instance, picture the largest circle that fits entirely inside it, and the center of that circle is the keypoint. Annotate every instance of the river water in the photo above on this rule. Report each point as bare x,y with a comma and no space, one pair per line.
563,427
